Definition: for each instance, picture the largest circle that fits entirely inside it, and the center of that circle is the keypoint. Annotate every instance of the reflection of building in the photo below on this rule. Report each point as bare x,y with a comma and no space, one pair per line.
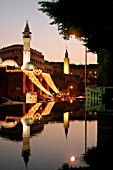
66,122
26,143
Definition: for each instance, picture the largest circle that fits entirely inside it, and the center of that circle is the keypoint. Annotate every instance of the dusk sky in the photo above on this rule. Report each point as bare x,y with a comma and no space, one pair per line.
45,37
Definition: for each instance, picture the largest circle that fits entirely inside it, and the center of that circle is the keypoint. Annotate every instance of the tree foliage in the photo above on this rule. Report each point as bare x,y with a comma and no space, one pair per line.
91,21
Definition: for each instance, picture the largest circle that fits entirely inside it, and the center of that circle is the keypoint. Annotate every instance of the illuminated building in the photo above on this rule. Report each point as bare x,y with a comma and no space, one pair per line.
22,76
66,63
22,54
15,82
22,58
26,47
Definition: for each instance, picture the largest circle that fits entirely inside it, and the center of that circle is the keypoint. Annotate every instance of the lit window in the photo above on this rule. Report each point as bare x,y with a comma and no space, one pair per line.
90,72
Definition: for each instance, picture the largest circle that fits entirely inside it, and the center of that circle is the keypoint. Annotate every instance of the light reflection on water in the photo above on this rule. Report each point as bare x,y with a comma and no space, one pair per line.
49,143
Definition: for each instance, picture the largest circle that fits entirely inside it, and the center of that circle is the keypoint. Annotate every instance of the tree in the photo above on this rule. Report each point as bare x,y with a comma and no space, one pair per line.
91,22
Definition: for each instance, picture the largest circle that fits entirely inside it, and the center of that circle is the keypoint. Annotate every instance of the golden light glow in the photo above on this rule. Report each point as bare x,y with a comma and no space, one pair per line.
50,82
37,72
48,108
32,76
32,111
66,119
35,80
71,87
71,101
72,159
66,66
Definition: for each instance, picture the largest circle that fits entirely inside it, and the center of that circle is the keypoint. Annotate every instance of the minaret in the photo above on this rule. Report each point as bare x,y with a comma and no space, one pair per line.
66,63
26,46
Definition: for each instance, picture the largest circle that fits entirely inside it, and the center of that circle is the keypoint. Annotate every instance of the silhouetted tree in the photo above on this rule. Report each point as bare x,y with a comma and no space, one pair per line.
91,22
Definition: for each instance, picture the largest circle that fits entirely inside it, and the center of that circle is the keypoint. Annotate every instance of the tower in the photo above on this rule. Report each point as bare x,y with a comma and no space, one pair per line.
66,63
26,46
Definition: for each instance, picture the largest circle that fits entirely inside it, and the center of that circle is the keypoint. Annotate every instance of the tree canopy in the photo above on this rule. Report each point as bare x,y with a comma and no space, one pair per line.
91,21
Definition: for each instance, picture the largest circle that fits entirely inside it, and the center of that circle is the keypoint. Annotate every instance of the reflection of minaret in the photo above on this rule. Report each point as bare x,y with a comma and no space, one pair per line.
66,63
66,122
26,144
26,47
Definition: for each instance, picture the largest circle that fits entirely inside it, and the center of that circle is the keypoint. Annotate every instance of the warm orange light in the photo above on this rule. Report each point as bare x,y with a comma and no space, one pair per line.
35,80
72,36
72,158
71,87
50,82
71,101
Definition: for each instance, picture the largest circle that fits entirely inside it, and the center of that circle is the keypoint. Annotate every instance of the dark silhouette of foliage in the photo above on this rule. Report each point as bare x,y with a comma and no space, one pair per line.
90,21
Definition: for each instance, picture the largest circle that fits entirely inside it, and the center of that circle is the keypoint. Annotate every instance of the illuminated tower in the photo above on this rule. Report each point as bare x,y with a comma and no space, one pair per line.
66,63
26,46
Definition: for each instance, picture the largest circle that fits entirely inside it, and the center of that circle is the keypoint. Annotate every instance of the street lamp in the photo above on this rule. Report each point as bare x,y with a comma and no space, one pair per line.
85,67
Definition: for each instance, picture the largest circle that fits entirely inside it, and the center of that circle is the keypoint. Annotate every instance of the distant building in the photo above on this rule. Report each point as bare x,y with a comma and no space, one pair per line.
23,53
19,53
66,63
16,58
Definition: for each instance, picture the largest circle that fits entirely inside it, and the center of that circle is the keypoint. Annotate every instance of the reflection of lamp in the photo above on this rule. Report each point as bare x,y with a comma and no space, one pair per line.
66,122
72,159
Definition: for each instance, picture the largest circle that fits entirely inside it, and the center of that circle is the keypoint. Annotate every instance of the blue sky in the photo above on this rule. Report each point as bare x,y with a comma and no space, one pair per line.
45,38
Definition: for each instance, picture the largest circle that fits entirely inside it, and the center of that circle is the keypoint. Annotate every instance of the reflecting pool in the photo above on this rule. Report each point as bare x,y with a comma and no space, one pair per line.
48,135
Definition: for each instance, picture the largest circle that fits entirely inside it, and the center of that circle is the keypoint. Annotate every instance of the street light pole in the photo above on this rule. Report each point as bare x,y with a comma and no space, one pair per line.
85,95
85,67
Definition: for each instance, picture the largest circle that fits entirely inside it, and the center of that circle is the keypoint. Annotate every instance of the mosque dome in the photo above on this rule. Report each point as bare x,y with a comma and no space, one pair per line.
28,66
28,121
10,63
1,61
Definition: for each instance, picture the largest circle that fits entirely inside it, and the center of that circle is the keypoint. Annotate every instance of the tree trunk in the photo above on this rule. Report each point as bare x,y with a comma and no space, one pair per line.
105,68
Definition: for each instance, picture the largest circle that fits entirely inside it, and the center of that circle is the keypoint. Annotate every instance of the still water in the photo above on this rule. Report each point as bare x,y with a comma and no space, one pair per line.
46,135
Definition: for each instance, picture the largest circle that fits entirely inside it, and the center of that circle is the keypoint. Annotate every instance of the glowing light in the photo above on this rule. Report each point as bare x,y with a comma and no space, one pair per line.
50,82
37,72
32,76
72,36
35,80
66,119
71,101
71,87
66,66
72,159
48,108
31,112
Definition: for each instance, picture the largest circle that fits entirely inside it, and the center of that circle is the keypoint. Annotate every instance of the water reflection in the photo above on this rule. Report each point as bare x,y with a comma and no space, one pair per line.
47,134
